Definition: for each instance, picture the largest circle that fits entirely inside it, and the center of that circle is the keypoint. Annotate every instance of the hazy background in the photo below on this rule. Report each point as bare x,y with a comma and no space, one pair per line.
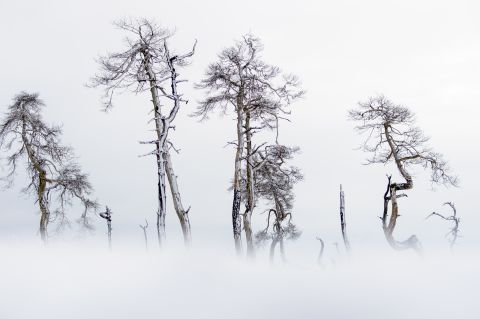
423,54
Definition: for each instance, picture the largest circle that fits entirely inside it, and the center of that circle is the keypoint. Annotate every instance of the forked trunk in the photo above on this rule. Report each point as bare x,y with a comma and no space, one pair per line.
145,236
412,242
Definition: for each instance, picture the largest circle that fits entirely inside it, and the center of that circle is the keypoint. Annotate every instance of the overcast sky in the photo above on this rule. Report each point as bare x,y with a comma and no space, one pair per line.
423,54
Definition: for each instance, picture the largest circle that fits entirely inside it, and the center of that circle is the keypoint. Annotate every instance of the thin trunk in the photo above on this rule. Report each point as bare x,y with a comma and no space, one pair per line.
145,237
282,250
44,215
391,195
161,128
109,225
247,216
320,254
272,249
42,184
172,178
162,198
237,197
177,201
107,215
343,222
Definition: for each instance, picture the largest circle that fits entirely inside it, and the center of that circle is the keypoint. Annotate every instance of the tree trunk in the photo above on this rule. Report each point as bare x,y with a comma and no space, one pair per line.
42,183
272,249
247,216
237,197
282,250
177,201
162,198
145,237
172,178
320,254
343,222
44,214
109,225
161,128
412,242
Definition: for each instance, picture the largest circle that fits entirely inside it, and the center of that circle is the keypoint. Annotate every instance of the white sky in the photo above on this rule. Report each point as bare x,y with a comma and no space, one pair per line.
425,55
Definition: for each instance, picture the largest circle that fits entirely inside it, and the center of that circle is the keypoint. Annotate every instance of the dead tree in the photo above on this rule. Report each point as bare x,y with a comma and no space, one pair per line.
453,233
54,176
274,183
148,65
144,228
107,215
320,254
393,137
259,98
343,223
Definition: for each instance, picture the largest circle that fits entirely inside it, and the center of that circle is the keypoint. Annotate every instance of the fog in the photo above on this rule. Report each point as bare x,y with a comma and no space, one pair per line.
81,281
425,55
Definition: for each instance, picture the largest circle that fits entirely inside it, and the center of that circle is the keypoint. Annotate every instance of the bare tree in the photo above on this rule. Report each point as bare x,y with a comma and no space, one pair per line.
259,95
107,215
144,228
393,137
453,233
148,65
54,176
343,222
274,183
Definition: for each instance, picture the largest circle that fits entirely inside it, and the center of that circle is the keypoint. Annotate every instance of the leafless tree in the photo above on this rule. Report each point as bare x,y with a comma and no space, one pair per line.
453,233
148,65
54,176
343,222
274,183
259,95
107,215
393,137
144,228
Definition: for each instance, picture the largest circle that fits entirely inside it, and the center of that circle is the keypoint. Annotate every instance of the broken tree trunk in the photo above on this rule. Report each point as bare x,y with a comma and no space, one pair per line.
320,254
144,228
107,215
343,222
